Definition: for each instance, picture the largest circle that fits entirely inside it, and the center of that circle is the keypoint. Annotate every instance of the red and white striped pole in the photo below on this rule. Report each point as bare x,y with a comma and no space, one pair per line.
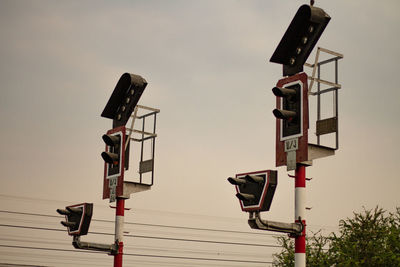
119,231
299,211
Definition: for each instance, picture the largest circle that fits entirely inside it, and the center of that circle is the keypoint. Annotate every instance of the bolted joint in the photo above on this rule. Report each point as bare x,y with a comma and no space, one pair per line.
114,248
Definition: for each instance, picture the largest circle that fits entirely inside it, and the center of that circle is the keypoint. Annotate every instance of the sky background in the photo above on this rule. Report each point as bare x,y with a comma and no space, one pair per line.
208,71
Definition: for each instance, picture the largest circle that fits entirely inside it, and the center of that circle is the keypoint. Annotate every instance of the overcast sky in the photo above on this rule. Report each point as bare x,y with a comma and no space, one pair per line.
208,71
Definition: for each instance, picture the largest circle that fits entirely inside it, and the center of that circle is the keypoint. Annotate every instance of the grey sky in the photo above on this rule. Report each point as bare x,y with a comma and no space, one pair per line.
207,66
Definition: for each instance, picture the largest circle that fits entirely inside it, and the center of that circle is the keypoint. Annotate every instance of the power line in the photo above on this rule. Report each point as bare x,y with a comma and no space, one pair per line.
53,258
50,249
145,255
149,237
178,259
146,248
148,224
18,265
141,236
141,248
204,241
106,206
194,258
138,255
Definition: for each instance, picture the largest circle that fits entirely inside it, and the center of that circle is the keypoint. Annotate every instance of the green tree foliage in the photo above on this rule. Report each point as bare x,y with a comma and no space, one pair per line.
370,238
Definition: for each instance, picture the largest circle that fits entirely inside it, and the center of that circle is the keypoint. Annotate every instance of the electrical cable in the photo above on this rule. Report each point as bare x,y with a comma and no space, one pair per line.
142,236
146,224
136,255
148,237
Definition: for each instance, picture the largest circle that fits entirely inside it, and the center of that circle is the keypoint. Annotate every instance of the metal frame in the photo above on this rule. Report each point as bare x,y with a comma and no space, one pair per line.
144,137
334,87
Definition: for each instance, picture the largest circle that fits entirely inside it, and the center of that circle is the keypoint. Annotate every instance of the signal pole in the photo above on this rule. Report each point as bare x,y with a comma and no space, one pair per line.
299,211
119,231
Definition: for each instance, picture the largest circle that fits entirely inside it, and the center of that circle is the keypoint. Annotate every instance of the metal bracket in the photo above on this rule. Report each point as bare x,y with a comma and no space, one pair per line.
293,176
337,56
110,248
256,222
132,187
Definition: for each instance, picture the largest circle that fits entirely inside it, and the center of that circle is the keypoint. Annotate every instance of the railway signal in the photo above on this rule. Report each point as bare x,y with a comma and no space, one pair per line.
77,218
255,190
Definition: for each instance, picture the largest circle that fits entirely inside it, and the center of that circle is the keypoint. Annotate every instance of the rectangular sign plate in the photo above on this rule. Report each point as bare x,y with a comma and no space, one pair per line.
291,145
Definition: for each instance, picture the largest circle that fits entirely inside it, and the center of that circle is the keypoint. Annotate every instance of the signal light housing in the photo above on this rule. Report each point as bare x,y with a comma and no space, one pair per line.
255,190
124,99
300,38
291,119
291,111
116,160
77,218
114,150
113,155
